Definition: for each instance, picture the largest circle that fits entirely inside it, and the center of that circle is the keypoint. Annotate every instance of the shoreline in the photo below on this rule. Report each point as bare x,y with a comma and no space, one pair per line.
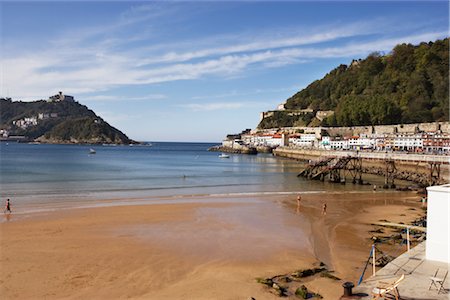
29,209
232,241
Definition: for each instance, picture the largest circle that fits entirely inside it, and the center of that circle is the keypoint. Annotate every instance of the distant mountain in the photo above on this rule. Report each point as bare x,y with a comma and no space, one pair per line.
409,85
57,122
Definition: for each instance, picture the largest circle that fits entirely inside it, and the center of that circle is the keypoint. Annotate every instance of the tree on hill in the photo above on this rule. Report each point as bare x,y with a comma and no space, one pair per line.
408,85
72,121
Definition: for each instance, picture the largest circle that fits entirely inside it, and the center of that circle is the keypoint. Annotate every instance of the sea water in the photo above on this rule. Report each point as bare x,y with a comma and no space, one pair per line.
64,174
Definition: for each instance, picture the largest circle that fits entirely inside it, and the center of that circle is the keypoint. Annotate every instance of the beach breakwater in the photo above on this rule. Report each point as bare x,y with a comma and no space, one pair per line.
409,167
237,150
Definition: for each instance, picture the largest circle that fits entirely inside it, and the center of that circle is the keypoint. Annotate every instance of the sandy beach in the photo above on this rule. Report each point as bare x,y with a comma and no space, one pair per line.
208,249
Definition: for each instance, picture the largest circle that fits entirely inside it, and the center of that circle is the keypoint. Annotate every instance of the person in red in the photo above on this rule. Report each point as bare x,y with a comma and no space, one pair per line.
7,206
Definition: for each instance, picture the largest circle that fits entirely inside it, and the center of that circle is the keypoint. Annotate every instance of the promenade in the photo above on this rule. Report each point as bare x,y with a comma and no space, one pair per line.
417,272
299,153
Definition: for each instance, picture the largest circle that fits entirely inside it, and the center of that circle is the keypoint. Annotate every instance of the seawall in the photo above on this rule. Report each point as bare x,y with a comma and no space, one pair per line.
412,167
240,150
444,127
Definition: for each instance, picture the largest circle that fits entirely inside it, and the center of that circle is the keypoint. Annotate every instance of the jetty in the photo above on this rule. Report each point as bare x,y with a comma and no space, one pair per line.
237,150
424,170
334,167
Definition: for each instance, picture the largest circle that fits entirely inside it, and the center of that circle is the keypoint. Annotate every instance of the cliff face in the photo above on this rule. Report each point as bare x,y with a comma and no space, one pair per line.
58,122
408,85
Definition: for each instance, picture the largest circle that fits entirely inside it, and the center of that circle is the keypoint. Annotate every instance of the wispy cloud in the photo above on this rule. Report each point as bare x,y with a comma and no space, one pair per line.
235,93
109,98
214,106
263,42
95,60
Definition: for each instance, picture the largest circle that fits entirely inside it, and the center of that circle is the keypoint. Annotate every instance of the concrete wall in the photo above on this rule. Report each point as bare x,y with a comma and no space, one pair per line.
380,129
438,225
390,129
414,159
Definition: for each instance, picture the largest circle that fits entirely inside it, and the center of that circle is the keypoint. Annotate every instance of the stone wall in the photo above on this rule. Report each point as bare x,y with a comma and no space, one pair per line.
379,129
404,162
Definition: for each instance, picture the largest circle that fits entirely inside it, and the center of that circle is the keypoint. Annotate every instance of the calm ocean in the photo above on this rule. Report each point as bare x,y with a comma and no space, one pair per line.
52,174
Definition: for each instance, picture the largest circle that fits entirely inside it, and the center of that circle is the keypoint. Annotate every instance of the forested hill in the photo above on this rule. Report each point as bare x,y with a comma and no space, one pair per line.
57,122
408,85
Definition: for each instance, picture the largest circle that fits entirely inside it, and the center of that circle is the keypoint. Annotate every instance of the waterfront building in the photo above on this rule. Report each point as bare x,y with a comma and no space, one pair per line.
303,140
433,141
436,143
339,144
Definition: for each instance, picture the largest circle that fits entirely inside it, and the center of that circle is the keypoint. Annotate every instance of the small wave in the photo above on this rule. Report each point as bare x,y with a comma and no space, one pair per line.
267,193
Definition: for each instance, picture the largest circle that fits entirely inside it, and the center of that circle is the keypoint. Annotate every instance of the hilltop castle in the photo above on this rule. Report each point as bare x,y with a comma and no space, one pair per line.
61,97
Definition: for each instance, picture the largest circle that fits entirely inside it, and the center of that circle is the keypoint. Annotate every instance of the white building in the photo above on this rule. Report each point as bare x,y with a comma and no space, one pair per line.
275,141
408,142
257,139
303,140
25,122
281,106
43,116
4,133
339,144
438,225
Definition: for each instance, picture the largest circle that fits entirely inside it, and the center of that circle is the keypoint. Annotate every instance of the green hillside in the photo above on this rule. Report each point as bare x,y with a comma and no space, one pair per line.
64,122
409,85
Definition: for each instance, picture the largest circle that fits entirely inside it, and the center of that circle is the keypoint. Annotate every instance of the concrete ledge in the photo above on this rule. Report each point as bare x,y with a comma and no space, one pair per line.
417,272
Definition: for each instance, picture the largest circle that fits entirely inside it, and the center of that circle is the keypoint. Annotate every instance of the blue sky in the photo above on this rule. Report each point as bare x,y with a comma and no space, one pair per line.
195,71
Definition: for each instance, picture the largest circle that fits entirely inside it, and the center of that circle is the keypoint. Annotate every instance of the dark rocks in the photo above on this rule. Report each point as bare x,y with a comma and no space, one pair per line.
287,284
266,281
329,275
307,272
278,290
379,230
303,293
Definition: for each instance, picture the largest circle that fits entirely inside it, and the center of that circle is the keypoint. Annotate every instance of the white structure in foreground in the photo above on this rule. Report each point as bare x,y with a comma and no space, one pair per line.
438,225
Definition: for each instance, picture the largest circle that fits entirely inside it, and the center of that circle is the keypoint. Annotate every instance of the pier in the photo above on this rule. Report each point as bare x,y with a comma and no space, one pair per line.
423,169
336,168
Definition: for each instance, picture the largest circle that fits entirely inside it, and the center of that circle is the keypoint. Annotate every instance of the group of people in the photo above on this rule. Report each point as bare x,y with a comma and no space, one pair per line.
324,205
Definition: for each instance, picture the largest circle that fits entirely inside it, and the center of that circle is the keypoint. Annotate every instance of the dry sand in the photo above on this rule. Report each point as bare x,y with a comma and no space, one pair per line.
199,250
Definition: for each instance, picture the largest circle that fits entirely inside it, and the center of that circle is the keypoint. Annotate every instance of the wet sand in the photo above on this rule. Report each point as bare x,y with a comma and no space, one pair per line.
199,250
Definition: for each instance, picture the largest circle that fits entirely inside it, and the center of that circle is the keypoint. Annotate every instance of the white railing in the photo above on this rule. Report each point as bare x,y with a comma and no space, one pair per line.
426,158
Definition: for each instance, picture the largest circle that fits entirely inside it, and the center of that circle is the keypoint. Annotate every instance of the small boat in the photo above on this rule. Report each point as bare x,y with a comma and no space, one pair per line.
92,151
224,156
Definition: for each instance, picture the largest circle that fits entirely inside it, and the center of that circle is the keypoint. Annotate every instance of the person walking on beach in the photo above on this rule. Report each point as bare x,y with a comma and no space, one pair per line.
7,206
299,199
324,209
